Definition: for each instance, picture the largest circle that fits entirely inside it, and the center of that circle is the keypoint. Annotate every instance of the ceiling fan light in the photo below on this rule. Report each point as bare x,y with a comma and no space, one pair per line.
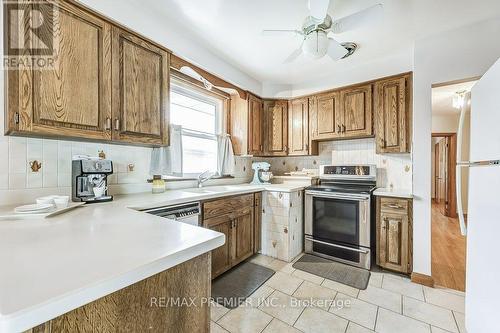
315,44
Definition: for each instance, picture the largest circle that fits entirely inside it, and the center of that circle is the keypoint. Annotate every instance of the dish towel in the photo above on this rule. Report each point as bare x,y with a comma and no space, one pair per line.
225,155
167,161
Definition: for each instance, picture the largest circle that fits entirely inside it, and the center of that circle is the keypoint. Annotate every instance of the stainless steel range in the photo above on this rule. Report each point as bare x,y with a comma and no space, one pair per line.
338,214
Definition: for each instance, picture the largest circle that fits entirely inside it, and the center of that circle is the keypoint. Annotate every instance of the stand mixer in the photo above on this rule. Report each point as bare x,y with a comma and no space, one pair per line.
261,174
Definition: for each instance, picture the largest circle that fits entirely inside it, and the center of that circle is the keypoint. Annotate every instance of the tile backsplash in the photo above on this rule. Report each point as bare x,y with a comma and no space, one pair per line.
395,169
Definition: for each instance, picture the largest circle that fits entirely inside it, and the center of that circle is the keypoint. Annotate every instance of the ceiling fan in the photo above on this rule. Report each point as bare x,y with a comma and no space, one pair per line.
318,30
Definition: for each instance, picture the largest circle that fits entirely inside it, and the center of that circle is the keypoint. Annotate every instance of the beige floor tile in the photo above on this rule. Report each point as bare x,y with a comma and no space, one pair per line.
445,299
460,319
245,320
435,329
277,326
429,313
261,259
316,320
284,282
376,279
358,311
277,264
214,328
355,328
217,311
308,276
258,296
403,287
340,287
283,307
381,297
318,295
288,268
391,322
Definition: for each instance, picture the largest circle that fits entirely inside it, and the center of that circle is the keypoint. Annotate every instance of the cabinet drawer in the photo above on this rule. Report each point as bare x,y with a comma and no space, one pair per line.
394,205
226,205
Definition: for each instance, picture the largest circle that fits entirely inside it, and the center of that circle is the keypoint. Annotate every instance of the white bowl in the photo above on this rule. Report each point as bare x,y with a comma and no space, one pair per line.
61,201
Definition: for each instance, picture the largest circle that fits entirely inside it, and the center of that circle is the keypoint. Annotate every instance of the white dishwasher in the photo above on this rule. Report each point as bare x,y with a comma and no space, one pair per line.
186,213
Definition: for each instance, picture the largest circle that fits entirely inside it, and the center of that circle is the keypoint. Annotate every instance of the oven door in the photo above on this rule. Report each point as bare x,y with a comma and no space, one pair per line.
338,226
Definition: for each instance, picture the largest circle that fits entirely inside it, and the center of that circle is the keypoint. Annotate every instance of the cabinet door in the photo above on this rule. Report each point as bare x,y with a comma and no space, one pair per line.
257,213
140,90
275,128
357,112
393,242
392,116
326,116
221,256
298,127
255,133
243,235
74,98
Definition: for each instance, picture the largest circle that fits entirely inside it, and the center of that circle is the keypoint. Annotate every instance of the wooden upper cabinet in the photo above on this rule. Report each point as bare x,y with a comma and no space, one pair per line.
255,128
392,113
325,116
275,128
74,98
356,112
140,90
298,127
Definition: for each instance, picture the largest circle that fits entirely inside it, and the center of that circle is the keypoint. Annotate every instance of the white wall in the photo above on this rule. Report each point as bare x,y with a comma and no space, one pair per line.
445,57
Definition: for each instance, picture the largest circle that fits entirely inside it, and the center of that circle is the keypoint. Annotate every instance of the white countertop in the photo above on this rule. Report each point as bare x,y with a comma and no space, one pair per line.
51,266
395,193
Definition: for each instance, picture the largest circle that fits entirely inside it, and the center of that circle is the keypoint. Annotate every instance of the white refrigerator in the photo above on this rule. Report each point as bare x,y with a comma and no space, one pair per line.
482,295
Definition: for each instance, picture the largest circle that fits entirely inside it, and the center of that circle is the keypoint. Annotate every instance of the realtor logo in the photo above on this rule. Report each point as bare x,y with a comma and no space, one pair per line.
31,39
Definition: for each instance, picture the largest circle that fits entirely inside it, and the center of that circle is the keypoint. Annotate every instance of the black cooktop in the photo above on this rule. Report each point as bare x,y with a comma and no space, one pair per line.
363,188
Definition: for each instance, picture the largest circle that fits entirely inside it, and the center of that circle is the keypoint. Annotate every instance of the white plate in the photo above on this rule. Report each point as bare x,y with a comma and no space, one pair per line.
34,208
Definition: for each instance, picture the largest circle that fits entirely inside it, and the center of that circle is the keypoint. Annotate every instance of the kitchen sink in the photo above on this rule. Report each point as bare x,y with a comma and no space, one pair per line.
215,189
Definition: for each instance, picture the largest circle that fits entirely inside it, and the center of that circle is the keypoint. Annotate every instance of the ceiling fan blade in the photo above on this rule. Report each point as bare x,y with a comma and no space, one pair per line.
280,32
335,50
355,20
294,55
318,9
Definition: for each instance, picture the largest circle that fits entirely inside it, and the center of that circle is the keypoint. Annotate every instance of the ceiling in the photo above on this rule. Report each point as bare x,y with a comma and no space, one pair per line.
231,29
442,98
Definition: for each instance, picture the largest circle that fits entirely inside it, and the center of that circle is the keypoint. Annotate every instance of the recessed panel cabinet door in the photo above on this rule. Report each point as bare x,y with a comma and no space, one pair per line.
326,116
298,127
393,250
255,132
74,98
357,112
275,128
140,90
392,116
221,256
244,235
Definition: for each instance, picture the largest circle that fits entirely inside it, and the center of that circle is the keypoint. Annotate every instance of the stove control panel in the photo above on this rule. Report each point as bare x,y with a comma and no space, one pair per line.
348,171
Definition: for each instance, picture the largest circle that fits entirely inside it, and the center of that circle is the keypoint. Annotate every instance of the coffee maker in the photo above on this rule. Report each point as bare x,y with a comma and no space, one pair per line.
87,174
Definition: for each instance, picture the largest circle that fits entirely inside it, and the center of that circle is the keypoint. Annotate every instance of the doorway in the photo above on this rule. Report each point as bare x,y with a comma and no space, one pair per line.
448,246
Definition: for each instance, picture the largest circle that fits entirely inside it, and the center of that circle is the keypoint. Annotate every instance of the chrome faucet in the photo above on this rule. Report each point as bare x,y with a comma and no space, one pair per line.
204,176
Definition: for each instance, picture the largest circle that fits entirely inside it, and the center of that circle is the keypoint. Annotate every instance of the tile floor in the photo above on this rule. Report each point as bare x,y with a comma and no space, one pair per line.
296,301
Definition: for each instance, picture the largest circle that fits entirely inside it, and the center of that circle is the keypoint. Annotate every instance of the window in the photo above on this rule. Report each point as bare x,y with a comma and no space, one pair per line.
200,117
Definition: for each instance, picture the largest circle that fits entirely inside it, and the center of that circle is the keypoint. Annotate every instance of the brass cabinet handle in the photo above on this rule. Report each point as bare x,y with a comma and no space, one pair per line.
343,128
117,124
307,146
338,129
107,124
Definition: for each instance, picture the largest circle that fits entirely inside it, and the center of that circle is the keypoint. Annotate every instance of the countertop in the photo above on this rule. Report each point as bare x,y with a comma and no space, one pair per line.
51,266
395,193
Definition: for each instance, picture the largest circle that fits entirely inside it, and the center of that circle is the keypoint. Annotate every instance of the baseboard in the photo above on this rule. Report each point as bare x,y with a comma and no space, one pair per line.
423,279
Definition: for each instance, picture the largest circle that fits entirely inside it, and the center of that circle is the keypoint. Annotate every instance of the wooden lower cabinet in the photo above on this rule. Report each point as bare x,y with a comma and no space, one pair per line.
394,234
257,244
235,217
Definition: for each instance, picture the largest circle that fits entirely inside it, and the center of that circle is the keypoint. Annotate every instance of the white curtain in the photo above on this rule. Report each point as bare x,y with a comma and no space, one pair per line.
225,155
167,161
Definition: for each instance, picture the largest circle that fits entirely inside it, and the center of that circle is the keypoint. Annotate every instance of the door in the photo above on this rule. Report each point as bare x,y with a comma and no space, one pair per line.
221,256
357,112
392,116
258,222
393,242
243,235
74,98
255,132
326,116
140,90
275,128
298,127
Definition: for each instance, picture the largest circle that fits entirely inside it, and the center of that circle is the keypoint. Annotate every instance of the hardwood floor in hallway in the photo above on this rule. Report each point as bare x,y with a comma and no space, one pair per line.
448,251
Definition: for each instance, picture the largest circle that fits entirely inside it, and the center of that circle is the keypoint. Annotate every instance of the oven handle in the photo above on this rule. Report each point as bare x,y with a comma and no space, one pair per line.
338,196
335,245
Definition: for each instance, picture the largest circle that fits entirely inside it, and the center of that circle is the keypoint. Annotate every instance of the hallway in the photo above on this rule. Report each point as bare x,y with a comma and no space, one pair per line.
448,251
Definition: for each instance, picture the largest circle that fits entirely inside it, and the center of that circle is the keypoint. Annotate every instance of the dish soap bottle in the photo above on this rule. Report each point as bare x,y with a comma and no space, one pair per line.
158,184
